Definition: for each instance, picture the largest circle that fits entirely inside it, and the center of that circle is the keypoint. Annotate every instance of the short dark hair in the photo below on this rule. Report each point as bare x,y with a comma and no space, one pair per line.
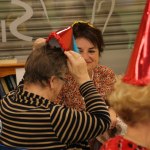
43,63
91,33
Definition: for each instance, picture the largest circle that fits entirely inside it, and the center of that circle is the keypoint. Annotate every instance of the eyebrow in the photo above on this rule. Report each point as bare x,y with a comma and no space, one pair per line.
89,48
92,48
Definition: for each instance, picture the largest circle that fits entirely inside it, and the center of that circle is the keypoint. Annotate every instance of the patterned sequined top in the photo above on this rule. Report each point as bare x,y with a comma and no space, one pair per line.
33,122
103,78
120,143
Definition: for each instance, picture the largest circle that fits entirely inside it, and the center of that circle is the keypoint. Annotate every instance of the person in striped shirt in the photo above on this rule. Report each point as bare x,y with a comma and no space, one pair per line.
32,121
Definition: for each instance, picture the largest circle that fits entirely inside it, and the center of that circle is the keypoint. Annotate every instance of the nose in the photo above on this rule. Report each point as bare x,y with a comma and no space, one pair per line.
85,55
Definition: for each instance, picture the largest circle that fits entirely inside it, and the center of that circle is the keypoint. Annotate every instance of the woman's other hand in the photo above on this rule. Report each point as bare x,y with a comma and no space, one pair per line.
113,118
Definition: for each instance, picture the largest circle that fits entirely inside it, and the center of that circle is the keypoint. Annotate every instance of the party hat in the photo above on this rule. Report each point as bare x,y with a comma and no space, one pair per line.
63,38
138,71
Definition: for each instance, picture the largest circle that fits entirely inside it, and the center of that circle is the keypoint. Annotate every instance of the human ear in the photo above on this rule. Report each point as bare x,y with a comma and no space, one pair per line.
52,82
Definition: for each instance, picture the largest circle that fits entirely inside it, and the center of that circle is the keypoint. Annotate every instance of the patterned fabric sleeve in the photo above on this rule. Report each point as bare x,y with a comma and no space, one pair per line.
104,79
73,125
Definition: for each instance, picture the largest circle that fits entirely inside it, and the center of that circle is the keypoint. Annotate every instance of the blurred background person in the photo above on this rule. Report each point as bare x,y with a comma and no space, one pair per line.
132,104
131,95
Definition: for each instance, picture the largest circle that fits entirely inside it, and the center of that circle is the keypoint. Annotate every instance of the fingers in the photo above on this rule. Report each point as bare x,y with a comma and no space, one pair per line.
113,117
112,126
73,55
38,43
77,66
74,58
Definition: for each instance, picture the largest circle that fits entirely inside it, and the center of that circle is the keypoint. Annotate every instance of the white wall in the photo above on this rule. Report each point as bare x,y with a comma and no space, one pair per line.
117,60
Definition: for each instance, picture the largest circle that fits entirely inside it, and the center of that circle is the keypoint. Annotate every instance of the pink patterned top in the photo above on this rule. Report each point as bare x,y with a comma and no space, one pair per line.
70,96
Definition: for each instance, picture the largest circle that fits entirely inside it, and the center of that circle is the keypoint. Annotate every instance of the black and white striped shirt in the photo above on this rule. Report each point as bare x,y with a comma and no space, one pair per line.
35,123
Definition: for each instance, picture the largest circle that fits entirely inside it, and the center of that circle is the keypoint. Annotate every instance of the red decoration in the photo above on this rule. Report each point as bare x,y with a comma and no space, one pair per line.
138,71
63,37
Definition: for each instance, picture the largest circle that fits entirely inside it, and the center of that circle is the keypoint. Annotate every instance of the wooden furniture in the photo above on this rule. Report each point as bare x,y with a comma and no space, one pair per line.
10,69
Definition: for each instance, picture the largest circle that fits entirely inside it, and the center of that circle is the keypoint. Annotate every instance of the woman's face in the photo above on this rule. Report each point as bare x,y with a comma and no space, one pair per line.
89,52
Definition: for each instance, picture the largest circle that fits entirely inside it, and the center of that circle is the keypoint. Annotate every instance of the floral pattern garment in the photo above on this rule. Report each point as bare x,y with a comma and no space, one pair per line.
103,78
120,143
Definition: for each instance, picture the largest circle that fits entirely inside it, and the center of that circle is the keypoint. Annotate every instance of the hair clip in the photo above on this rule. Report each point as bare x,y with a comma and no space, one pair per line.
76,22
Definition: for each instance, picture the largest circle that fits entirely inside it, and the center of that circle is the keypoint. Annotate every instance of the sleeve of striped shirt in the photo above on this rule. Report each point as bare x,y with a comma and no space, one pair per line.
72,126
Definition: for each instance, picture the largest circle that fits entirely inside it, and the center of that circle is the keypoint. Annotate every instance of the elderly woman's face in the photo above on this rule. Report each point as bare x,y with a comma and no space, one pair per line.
89,52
